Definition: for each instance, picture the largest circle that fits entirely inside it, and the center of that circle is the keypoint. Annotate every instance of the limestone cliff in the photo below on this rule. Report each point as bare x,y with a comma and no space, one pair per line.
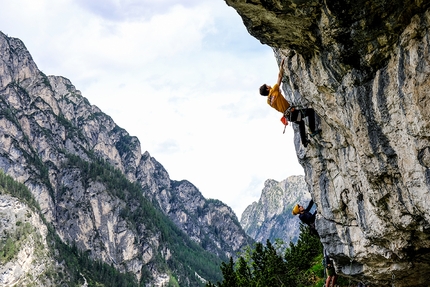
23,246
208,222
364,66
270,217
97,189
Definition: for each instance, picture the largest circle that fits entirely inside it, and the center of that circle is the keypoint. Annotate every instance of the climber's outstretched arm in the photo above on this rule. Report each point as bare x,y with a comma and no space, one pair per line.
281,72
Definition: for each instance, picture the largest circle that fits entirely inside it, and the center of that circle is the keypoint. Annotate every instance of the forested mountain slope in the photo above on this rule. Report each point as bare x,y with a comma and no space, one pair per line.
97,190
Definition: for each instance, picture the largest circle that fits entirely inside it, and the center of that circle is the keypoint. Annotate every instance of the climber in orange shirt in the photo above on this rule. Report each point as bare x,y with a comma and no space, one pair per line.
274,96
276,100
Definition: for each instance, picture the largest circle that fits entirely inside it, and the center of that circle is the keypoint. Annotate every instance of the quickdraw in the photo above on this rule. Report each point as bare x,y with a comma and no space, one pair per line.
286,117
288,111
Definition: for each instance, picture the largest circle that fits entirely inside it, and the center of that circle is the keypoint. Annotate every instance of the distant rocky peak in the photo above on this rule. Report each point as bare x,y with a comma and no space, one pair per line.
270,217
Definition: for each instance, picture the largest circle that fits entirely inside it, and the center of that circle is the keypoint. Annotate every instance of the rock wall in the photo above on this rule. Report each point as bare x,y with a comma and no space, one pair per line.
24,259
364,66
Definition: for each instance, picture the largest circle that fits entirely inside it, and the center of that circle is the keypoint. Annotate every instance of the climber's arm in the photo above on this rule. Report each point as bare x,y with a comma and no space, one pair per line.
311,203
281,72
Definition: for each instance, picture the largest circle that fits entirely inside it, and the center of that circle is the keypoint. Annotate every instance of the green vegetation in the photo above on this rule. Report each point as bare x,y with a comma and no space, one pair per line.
37,168
19,190
299,265
187,256
46,81
125,144
10,246
141,214
188,261
79,264
76,262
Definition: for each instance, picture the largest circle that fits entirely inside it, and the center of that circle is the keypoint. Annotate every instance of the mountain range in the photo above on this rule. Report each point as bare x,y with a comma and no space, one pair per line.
80,202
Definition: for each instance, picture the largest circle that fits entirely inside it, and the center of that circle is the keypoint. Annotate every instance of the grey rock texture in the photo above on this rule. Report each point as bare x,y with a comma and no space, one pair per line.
270,218
210,223
54,141
364,66
22,229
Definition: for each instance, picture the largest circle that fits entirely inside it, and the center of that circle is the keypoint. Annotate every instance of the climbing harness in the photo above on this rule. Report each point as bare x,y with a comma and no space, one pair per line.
286,117
288,113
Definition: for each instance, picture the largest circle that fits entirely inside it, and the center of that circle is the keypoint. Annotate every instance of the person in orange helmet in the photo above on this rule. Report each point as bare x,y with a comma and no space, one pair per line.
306,216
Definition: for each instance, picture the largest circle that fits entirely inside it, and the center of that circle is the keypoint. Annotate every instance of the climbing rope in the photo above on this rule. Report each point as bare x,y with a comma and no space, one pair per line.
345,229
350,272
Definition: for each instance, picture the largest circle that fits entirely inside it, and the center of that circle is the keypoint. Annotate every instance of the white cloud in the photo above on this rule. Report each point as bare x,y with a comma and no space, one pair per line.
131,10
182,78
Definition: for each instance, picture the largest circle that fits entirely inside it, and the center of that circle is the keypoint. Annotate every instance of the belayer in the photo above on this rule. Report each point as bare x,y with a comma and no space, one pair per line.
330,271
277,101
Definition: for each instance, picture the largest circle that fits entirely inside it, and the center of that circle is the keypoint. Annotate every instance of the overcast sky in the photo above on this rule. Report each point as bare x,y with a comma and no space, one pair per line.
182,76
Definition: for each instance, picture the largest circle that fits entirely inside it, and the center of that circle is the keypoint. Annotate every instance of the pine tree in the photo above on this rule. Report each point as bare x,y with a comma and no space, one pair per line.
264,266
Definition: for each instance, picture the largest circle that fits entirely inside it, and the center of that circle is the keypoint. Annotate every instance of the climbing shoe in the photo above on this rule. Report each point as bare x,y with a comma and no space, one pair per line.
315,133
305,143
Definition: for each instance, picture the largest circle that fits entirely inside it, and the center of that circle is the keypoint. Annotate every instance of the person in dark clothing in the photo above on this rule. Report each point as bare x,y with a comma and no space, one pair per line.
331,273
306,216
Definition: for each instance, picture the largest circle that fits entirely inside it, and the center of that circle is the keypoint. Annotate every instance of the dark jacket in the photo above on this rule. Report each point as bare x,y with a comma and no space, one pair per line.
307,217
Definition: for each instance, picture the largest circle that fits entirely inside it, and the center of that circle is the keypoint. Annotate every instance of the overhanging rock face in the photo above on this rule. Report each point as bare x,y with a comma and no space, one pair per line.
364,66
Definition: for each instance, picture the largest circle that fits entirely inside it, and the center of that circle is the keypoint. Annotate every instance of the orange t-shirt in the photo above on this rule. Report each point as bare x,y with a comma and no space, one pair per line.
276,100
